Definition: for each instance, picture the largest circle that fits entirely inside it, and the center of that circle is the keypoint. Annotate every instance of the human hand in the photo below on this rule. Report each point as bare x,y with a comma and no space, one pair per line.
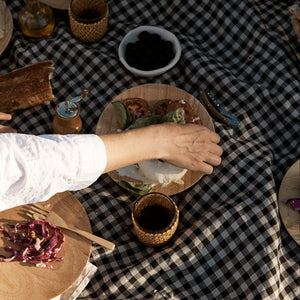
192,147
189,146
6,129
295,20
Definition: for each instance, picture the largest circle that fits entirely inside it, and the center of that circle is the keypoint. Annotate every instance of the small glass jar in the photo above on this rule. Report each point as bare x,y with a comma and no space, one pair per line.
36,20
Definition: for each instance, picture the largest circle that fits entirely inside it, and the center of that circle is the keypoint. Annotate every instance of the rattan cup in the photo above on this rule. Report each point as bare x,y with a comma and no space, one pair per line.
84,29
155,238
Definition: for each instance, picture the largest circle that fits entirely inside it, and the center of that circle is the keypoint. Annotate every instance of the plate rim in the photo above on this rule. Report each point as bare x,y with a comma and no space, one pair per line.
6,39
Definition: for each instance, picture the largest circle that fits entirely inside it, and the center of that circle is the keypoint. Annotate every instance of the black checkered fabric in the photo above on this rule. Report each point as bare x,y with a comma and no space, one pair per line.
230,243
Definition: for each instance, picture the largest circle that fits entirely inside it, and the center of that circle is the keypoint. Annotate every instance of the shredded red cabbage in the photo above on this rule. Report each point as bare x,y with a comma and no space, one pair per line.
294,203
38,241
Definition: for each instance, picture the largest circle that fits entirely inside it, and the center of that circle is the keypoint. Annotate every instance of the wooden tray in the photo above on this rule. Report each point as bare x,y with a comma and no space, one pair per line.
108,123
290,188
9,30
26,281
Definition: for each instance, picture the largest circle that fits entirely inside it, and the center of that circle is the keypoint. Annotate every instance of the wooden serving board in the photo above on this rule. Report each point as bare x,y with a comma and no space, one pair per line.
26,281
290,188
9,30
108,123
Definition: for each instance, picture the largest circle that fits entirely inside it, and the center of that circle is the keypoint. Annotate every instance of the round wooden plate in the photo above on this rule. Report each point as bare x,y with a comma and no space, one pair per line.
9,30
108,123
26,281
290,188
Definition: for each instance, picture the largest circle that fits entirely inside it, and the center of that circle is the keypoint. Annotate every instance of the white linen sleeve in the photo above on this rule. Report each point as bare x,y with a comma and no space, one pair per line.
34,168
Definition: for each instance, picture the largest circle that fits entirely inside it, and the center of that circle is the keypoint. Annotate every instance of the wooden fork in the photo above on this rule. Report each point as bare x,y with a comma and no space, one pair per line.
39,213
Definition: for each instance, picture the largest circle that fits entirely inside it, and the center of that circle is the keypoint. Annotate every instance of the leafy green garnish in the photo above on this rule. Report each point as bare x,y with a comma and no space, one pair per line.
125,119
138,188
123,115
176,116
143,122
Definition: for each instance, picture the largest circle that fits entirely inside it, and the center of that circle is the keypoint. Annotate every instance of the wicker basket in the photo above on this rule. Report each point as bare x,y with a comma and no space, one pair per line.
88,30
155,238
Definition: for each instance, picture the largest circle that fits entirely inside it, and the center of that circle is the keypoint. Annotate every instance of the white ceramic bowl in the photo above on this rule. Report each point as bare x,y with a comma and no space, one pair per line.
132,37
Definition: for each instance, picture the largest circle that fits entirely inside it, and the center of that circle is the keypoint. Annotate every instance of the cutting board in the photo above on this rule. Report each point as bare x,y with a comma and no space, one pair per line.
20,281
290,188
108,123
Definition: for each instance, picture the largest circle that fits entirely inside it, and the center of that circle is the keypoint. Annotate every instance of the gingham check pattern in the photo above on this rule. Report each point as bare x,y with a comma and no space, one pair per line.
230,243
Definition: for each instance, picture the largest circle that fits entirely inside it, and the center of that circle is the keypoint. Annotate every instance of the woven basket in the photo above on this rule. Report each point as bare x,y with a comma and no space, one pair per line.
88,30
159,237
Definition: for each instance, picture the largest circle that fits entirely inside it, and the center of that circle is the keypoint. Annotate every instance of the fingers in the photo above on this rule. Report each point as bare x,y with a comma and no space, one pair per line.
214,137
5,117
7,129
210,159
213,159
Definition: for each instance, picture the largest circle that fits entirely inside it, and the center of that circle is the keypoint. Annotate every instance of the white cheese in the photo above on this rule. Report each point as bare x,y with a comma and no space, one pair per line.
154,172
157,171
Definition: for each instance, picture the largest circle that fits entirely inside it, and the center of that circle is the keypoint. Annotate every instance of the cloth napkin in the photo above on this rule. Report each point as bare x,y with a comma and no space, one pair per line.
74,291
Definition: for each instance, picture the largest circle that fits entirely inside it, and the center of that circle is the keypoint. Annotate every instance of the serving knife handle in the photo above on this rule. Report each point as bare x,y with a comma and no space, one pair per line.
212,110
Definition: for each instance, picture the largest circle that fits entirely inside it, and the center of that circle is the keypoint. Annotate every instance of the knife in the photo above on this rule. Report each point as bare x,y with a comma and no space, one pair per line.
216,110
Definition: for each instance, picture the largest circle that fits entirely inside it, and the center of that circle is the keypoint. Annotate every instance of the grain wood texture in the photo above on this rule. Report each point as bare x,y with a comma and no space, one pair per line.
108,123
290,188
9,26
24,281
26,87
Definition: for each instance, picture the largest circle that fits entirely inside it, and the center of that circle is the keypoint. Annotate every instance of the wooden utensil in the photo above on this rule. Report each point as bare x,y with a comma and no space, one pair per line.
37,212
108,123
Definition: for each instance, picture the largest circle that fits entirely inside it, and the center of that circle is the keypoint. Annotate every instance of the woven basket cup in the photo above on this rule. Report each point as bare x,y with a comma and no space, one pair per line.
85,29
155,238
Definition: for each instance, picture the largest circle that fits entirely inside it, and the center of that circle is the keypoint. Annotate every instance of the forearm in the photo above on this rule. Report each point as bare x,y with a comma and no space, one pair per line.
188,146
129,147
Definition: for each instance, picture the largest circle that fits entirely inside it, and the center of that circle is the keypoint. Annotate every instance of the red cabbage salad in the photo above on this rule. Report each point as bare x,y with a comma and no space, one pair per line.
38,242
294,203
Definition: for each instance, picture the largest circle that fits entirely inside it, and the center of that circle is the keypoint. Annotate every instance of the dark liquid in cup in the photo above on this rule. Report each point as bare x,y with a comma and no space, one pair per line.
88,14
154,217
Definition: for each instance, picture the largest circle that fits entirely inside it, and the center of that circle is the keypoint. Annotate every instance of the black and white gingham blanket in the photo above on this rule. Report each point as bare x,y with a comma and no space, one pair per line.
230,243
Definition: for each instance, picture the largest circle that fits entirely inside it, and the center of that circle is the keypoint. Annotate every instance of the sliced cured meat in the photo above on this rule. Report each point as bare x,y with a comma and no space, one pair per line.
137,107
161,107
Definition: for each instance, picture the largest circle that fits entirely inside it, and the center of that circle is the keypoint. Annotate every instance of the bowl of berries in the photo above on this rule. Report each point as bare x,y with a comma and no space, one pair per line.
149,51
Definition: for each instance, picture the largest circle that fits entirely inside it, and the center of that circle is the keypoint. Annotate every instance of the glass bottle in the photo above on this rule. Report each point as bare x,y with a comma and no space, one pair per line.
36,20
